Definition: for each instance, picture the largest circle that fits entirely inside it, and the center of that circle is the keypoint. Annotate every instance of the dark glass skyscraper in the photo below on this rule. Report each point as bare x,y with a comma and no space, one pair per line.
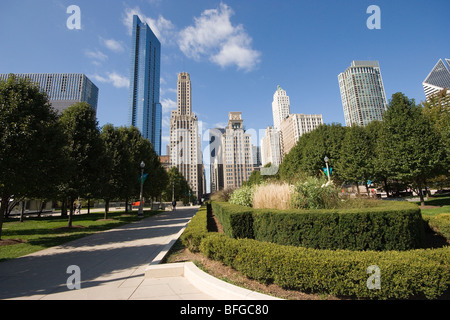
145,110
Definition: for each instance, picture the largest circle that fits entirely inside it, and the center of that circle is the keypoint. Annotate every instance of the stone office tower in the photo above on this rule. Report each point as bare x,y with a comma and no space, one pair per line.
185,143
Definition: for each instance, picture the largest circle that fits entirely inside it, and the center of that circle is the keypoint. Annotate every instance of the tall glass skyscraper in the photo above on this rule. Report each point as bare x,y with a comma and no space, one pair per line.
362,93
145,110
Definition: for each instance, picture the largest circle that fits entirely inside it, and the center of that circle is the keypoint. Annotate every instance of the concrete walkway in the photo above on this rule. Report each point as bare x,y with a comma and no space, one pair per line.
116,265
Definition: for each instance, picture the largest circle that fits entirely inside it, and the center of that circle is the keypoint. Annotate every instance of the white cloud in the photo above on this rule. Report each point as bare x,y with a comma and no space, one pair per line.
113,78
96,55
168,105
163,29
214,36
112,45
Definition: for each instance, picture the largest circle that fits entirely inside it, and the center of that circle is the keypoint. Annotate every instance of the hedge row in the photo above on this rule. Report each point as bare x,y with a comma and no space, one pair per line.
416,273
196,230
387,226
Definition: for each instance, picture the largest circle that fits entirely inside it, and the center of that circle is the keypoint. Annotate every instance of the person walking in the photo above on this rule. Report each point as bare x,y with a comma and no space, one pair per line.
174,205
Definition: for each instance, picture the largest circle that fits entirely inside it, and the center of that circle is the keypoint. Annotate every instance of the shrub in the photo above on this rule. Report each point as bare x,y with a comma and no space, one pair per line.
417,273
242,196
222,195
272,196
387,226
441,223
196,230
314,193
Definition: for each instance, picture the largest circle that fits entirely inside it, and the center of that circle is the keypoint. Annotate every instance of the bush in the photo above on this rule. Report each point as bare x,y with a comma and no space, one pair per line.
222,195
441,223
417,273
314,193
387,226
242,196
196,230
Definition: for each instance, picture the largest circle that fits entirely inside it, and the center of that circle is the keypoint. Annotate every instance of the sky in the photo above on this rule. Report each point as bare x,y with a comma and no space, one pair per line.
236,51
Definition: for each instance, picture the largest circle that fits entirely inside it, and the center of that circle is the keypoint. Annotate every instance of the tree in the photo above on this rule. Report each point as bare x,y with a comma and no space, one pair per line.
30,142
437,110
177,188
409,148
355,161
84,151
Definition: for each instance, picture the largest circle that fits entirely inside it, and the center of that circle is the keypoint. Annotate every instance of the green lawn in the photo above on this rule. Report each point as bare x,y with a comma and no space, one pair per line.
443,202
42,233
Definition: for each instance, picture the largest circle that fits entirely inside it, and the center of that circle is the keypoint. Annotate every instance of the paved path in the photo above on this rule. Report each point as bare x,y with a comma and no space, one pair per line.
112,265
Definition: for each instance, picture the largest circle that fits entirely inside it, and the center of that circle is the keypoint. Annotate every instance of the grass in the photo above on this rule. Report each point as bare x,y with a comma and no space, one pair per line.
37,234
442,201
274,196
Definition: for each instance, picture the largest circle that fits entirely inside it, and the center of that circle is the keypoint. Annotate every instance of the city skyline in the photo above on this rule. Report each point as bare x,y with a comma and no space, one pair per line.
233,70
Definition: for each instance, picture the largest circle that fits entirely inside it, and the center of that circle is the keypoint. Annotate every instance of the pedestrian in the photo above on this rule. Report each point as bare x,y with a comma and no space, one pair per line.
79,207
174,205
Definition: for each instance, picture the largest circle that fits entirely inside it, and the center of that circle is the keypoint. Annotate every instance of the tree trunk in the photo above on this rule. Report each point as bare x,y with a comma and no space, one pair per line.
71,210
89,206
386,187
22,211
106,208
422,200
126,205
64,208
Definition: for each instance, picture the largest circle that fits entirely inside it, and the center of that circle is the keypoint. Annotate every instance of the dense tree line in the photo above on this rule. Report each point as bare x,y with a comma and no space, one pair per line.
44,155
410,147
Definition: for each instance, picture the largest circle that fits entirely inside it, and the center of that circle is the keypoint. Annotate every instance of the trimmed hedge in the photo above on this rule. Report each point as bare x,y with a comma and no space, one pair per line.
417,273
196,230
387,226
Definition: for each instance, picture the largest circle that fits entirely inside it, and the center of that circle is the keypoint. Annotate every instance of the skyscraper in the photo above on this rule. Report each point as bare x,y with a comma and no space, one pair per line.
296,125
63,89
237,153
145,110
185,143
438,79
281,107
362,93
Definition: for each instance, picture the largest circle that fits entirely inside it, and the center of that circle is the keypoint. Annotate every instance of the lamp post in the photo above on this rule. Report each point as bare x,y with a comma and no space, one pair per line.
141,205
328,168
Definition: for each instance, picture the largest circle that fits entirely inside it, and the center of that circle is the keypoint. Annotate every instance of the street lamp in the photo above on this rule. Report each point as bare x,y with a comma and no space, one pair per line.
141,206
328,168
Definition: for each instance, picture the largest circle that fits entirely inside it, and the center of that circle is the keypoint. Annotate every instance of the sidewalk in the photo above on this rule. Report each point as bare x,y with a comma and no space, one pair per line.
115,265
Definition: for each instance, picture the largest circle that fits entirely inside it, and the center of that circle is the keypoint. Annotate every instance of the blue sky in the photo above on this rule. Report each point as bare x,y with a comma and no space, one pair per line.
236,51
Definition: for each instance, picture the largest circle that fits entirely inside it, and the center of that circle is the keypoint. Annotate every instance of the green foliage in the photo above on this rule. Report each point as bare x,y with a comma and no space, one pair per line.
243,196
30,143
196,230
314,193
177,186
441,223
386,226
417,273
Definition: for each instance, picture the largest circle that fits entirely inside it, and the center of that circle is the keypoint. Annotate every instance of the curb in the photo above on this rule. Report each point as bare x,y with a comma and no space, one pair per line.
214,287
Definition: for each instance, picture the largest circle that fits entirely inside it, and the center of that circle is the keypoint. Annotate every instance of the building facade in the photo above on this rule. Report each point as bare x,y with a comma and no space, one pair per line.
63,89
145,110
362,93
216,159
271,148
296,125
281,107
438,79
237,153
185,142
